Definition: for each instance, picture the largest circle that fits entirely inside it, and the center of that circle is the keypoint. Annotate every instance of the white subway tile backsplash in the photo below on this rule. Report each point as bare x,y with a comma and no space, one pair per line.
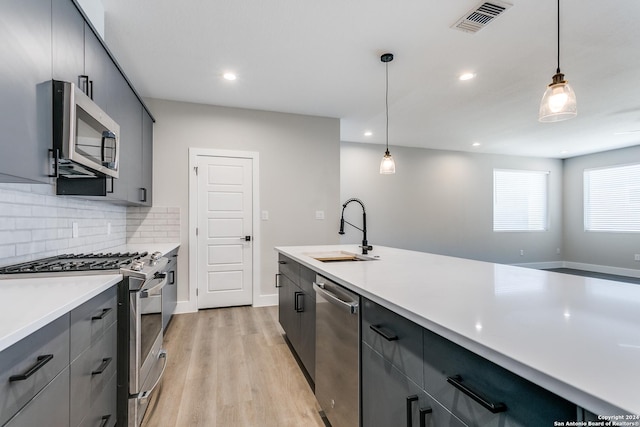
158,224
35,223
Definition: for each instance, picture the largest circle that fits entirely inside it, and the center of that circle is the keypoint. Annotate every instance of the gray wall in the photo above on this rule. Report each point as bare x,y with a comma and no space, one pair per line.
608,249
442,202
299,172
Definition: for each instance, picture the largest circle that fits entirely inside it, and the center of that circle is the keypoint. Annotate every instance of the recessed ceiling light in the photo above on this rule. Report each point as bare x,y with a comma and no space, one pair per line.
229,76
368,133
466,76
476,144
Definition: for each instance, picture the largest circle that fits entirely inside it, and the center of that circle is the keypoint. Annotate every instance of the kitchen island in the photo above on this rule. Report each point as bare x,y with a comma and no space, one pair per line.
577,337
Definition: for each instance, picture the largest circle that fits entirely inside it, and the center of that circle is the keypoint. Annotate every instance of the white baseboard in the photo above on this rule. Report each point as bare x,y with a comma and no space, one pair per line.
630,272
619,271
541,265
266,300
184,307
262,301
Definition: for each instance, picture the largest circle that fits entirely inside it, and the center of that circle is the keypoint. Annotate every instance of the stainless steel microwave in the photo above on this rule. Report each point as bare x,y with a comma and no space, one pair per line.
86,141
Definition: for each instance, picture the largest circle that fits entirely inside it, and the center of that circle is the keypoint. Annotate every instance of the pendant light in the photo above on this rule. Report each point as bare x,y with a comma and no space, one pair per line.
387,165
559,101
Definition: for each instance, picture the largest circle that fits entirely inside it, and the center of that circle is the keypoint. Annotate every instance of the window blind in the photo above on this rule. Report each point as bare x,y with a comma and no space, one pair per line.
612,199
520,200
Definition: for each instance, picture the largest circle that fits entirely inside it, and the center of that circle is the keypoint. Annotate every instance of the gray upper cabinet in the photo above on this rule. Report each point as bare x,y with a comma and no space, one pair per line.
147,158
78,52
97,67
68,41
126,110
25,107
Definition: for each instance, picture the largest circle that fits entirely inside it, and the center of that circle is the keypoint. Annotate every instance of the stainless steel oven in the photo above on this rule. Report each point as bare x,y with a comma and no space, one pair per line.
140,354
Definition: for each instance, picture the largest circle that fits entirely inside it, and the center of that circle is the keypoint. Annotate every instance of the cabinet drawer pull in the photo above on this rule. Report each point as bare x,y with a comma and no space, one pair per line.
423,416
172,277
410,400
494,408
377,329
41,361
299,303
104,421
278,285
102,315
105,362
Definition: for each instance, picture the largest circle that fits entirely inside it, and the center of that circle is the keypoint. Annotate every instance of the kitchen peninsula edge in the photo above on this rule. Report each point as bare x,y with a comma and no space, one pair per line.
575,336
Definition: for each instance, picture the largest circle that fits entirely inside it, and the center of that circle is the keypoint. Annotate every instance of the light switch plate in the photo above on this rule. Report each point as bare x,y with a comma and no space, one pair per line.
319,214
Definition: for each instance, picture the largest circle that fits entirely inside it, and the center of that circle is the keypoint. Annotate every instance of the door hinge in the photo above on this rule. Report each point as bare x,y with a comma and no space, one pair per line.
195,169
196,291
196,231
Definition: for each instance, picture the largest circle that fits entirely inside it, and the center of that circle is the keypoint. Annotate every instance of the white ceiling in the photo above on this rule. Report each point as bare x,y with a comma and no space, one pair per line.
323,58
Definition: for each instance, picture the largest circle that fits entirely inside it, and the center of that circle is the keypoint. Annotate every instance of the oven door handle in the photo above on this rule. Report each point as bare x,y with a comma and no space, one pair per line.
149,290
145,394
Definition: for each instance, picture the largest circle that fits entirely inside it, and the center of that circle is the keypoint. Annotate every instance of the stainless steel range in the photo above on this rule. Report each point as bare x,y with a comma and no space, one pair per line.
141,358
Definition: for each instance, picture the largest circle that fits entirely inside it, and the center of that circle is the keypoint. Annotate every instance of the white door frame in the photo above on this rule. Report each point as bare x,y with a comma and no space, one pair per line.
193,219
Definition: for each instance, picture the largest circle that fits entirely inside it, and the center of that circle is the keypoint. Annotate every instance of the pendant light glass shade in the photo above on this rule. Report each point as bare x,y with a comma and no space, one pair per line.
558,102
387,165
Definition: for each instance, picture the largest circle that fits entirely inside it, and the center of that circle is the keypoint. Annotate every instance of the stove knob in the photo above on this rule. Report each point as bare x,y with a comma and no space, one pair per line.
137,265
156,256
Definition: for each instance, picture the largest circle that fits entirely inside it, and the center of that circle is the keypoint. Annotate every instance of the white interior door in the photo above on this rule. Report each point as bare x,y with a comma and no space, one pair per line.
224,238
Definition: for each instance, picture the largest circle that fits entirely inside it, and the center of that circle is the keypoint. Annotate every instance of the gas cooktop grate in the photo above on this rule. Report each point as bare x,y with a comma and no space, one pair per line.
75,262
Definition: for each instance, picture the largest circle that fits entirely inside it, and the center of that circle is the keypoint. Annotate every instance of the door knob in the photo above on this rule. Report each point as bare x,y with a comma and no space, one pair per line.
246,238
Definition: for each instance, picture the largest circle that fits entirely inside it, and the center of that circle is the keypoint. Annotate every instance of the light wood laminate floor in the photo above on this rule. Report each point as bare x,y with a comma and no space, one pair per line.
231,367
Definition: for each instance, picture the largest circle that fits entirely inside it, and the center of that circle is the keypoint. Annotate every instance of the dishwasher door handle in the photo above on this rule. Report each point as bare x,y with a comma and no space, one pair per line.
351,306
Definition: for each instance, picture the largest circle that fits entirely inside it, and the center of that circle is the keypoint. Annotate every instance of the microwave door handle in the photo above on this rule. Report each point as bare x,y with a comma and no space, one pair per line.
107,134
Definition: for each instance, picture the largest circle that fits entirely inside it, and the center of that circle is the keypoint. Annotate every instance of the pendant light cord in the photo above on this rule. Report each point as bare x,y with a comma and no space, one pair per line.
386,101
558,69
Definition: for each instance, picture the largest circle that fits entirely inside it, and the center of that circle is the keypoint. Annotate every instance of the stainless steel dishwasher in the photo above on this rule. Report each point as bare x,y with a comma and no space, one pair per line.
337,353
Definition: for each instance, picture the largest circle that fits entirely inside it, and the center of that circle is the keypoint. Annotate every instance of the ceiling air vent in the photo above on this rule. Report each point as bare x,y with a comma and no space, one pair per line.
480,16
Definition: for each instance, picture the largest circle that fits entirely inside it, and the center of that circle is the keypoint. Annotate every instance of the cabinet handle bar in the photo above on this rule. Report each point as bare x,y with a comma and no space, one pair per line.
101,316
423,416
494,408
410,400
41,361
377,329
105,362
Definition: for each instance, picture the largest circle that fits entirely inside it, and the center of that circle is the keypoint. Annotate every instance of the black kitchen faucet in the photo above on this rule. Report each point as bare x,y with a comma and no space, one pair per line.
365,245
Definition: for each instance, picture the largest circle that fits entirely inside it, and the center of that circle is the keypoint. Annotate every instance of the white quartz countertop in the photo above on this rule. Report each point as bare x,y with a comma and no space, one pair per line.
27,305
576,336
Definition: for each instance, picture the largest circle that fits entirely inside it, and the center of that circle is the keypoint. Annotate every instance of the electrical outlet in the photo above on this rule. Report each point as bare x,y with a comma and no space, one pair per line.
108,229
264,215
74,230
521,252
636,257
319,214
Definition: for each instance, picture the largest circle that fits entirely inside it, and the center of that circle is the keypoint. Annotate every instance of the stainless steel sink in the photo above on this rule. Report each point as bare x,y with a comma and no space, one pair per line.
340,256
